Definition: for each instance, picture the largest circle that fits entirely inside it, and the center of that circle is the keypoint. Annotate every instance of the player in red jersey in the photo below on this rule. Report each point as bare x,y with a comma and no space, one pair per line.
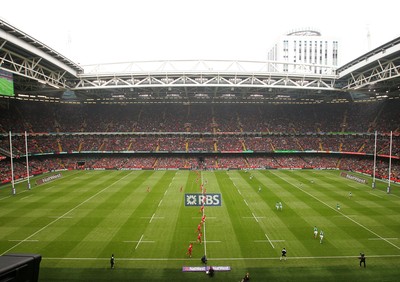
199,238
201,209
198,228
189,252
203,218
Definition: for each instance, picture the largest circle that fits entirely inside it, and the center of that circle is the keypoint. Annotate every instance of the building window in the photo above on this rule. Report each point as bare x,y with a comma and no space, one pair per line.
285,45
315,51
335,53
285,68
300,50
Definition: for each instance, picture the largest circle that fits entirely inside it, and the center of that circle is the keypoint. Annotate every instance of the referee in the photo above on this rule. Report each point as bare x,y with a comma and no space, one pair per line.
283,254
362,259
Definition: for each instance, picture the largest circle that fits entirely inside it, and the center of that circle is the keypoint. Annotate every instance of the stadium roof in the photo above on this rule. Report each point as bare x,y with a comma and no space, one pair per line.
40,71
376,72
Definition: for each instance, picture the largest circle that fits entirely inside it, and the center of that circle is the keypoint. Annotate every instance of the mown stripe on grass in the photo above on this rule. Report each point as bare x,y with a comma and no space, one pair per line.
349,218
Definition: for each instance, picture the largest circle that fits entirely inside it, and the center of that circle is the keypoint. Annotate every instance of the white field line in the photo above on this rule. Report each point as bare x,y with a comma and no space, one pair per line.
269,241
152,217
140,240
23,191
350,215
264,241
375,195
207,241
143,241
9,196
383,238
23,240
26,197
155,217
159,204
392,195
204,223
58,218
218,259
333,208
382,191
255,217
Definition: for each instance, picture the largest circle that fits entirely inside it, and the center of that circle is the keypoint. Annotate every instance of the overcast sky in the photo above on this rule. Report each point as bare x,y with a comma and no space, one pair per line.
89,32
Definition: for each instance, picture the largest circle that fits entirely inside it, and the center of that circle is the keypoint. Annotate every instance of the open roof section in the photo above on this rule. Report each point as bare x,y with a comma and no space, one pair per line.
40,70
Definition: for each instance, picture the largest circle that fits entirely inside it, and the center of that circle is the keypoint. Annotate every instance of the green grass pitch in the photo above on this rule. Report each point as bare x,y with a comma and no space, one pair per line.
78,221
6,87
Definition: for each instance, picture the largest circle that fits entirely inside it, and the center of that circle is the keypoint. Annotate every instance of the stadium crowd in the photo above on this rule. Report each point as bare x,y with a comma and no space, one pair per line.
235,143
224,134
35,117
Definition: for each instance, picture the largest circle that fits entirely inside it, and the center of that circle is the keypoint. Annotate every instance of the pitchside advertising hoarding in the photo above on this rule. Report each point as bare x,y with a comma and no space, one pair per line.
197,199
353,177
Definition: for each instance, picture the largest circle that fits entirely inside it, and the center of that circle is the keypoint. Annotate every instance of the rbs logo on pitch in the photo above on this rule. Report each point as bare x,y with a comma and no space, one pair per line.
193,200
